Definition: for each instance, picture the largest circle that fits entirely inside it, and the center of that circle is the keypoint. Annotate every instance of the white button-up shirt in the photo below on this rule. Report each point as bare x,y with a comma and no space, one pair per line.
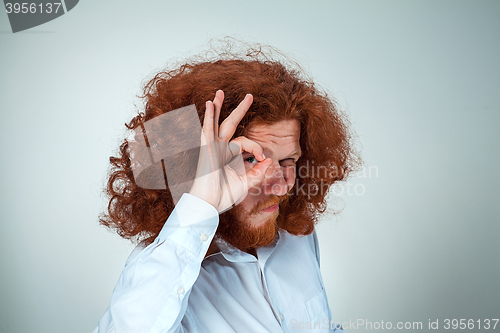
168,286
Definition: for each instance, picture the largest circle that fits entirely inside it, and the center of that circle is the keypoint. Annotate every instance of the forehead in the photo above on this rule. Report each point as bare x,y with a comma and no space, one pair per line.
284,134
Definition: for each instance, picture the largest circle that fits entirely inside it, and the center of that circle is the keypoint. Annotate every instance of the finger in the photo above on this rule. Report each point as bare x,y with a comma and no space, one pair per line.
228,126
208,156
245,144
256,175
218,100
208,122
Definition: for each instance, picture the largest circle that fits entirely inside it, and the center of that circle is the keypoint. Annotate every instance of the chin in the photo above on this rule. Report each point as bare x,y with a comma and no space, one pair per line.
248,233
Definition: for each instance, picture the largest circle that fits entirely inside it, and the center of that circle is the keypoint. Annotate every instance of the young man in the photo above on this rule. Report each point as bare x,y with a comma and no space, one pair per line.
235,250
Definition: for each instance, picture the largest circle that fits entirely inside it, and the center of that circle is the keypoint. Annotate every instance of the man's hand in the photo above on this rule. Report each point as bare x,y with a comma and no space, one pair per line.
217,182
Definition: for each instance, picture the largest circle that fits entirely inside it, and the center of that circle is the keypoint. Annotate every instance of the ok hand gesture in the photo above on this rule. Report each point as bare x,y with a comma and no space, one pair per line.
222,180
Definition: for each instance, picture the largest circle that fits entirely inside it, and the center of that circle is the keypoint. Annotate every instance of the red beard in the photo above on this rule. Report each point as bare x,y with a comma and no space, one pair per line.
236,231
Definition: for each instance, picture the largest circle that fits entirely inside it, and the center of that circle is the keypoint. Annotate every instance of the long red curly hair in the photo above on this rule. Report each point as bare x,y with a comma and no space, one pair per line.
281,91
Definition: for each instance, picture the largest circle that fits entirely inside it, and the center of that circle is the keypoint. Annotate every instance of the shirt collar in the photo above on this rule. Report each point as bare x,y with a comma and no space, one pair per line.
233,254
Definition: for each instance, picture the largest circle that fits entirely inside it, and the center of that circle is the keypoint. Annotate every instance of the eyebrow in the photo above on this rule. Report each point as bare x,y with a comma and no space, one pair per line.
297,153
292,155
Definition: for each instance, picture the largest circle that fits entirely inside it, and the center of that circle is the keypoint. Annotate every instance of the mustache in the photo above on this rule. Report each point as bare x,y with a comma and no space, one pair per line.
269,202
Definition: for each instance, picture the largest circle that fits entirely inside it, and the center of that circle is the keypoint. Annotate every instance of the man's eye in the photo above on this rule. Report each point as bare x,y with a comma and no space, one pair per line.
251,159
288,162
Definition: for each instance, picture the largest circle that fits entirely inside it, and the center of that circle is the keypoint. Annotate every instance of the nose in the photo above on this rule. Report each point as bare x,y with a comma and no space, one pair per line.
274,182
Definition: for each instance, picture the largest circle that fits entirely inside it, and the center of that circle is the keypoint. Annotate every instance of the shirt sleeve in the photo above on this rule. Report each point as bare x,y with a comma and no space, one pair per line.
153,289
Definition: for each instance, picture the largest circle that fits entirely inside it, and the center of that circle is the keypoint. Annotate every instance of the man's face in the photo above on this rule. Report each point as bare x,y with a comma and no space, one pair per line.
252,223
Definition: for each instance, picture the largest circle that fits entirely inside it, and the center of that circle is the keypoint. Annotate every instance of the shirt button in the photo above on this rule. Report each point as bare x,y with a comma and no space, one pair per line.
281,316
180,291
203,237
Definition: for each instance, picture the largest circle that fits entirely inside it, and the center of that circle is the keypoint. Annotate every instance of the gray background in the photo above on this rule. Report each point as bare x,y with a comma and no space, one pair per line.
420,79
